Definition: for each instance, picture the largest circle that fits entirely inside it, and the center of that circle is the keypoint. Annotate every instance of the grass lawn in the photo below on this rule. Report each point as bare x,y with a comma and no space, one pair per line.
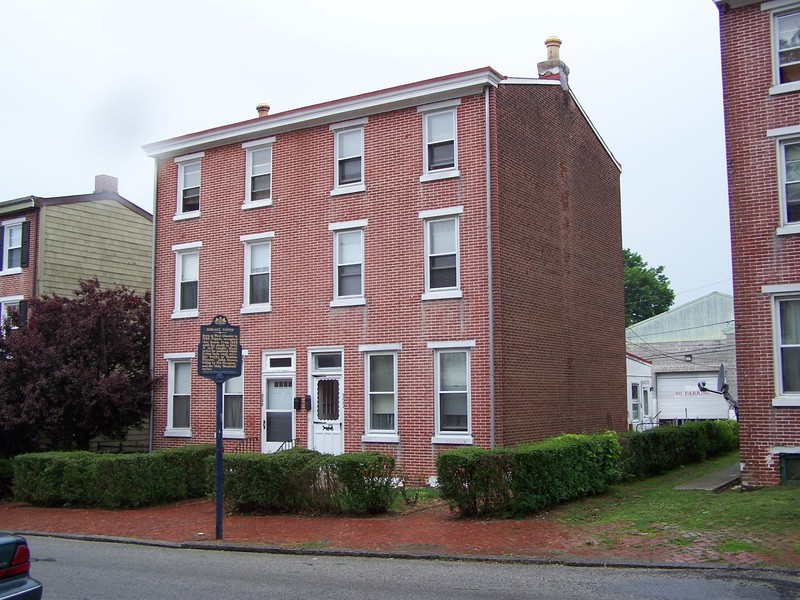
765,521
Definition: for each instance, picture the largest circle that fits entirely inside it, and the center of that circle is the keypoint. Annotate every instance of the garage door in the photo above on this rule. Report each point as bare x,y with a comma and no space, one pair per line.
679,397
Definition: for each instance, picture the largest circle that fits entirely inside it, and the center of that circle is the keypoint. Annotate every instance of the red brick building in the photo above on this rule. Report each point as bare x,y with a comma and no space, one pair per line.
428,266
761,89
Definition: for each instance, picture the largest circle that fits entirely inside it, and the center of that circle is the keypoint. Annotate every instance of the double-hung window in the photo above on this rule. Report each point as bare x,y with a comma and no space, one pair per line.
788,157
14,235
187,277
785,44
258,190
786,342
348,259
179,394
233,407
188,186
442,270
452,392
257,259
380,388
9,305
439,140
348,148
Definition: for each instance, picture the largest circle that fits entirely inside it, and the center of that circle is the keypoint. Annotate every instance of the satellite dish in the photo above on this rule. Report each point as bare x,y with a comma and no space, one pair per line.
721,377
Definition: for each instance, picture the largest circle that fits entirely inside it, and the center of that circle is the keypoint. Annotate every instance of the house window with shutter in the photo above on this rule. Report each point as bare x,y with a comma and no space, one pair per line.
15,237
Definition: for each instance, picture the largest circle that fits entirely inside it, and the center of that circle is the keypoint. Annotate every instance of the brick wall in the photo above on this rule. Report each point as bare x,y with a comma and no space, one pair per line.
560,256
760,257
24,283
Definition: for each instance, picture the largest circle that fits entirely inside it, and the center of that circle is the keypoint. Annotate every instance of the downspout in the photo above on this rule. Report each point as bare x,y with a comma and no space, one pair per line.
489,272
153,304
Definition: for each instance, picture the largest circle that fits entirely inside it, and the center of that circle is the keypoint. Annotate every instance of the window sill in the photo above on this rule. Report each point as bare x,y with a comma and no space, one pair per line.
186,314
13,271
348,302
443,295
437,175
463,440
233,434
784,88
185,216
256,204
792,228
256,308
183,433
348,189
786,401
377,438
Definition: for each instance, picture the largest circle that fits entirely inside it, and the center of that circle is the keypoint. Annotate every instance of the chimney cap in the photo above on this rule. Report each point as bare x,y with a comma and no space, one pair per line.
263,109
554,67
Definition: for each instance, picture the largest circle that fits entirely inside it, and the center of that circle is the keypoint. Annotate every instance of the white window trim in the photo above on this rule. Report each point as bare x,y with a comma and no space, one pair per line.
342,227
6,233
8,300
425,111
178,250
428,216
379,436
441,437
251,147
172,358
182,161
247,240
778,292
348,188
775,8
230,433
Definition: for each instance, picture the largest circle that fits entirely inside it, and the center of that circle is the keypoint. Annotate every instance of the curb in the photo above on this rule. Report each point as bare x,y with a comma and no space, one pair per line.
222,546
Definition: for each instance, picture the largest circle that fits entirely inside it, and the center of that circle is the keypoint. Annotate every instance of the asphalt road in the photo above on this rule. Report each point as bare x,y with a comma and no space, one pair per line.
82,570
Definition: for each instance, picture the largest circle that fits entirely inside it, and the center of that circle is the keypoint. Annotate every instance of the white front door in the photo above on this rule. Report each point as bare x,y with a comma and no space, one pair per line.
327,414
277,423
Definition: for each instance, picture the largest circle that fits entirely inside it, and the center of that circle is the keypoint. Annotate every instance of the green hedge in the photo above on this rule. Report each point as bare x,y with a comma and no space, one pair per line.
111,480
525,479
299,480
661,449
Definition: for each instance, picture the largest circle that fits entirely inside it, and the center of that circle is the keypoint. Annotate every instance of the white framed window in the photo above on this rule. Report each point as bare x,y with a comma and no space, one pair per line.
258,185
257,272
188,186
380,389
789,156
348,150
785,40
233,407
442,253
14,238
348,263
9,304
179,394
187,279
439,140
451,372
787,345
635,413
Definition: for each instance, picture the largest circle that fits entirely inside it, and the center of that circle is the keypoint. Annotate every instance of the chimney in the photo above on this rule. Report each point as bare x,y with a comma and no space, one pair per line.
263,110
554,67
105,183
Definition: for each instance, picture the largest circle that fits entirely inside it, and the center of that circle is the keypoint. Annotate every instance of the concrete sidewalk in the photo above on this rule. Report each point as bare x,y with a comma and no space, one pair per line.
716,481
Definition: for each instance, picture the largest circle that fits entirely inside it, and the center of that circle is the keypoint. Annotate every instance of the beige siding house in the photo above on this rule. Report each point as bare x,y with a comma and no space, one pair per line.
48,244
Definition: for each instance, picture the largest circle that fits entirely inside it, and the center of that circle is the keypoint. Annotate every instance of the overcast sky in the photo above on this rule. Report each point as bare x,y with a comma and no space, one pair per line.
85,83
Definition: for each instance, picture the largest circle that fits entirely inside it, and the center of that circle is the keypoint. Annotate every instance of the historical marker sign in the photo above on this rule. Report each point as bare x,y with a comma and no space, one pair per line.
219,350
220,356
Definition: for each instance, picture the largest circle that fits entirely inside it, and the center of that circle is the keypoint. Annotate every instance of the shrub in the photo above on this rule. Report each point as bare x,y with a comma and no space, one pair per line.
527,478
361,483
6,477
656,451
111,480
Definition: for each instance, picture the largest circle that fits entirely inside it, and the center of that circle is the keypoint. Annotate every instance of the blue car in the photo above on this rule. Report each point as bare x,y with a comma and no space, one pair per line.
15,565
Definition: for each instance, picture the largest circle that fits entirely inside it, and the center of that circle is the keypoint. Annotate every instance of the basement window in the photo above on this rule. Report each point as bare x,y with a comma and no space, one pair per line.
790,468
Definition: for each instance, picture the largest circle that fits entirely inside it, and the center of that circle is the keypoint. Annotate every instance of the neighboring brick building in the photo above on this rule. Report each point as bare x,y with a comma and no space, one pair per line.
761,91
382,306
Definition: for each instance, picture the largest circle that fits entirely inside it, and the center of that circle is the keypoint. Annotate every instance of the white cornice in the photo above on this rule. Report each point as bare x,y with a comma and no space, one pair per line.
434,90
